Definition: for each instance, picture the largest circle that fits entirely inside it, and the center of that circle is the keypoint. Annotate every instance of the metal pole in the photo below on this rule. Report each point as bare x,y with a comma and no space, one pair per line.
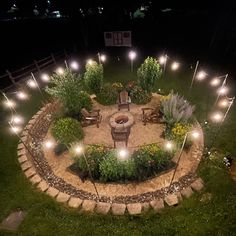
37,84
131,64
99,58
66,65
164,70
194,74
224,82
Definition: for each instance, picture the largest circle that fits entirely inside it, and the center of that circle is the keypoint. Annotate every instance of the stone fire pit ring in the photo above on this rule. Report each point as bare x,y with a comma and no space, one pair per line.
121,119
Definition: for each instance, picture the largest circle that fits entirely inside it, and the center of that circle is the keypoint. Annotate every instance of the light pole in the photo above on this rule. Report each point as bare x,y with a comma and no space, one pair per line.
194,74
132,56
37,85
162,61
222,89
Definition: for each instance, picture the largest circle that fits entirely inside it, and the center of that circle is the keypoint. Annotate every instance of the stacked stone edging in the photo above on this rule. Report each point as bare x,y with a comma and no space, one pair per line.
40,174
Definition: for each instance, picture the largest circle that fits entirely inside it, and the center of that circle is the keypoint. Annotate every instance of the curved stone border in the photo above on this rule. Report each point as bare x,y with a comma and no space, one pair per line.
34,165
128,124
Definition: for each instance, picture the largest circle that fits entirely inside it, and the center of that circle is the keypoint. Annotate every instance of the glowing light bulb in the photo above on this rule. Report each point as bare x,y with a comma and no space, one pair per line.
201,75
215,82
31,83
132,55
60,70
174,66
21,95
45,77
103,58
74,65
162,60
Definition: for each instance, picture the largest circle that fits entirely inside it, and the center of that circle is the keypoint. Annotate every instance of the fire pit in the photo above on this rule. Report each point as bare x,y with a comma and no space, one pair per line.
121,120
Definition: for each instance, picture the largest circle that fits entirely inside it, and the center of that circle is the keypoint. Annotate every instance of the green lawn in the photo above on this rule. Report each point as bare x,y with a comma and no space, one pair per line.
212,212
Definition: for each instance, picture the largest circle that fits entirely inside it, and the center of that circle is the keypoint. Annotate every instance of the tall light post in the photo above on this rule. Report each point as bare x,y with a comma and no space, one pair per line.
222,90
162,61
194,74
36,84
132,56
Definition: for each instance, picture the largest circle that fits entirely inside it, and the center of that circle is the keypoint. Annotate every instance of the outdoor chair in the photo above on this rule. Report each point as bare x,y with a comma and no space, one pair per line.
91,117
120,135
151,115
123,100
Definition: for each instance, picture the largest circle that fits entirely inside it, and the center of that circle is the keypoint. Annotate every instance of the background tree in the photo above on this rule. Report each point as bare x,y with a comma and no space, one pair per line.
148,73
93,76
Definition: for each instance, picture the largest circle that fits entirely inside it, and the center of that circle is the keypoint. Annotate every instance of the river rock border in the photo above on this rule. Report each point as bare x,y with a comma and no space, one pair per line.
37,170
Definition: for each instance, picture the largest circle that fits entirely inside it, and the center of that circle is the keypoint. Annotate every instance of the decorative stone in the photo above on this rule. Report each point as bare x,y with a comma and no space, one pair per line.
30,172
63,197
26,165
20,146
103,207
118,209
22,159
24,139
43,186
134,208
145,206
171,199
187,192
53,192
88,205
21,152
157,204
197,185
75,202
13,221
35,179
24,133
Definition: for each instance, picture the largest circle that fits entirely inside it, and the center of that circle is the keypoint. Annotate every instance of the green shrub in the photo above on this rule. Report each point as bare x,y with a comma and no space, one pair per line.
108,95
67,130
150,159
148,73
93,76
139,96
60,148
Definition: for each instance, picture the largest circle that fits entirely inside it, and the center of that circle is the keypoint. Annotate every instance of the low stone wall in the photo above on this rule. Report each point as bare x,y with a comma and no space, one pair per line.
37,170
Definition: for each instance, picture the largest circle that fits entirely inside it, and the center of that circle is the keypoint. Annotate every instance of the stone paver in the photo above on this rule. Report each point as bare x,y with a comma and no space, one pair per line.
35,179
26,165
145,206
103,207
30,172
43,185
13,221
22,159
197,185
75,202
171,199
88,205
24,133
187,192
20,146
53,192
157,204
21,152
118,209
24,139
63,197
134,208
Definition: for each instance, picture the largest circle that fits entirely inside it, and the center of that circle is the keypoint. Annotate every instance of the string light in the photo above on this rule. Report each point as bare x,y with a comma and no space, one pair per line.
10,103
59,70
223,103
74,65
162,60
31,83
90,61
21,95
48,144
45,77
195,134
201,75
17,120
132,55
174,66
122,154
223,90
103,58
215,82
169,145
15,129
217,117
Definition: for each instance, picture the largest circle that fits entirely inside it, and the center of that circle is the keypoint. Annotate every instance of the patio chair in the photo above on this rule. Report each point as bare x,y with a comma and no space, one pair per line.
123,100
151,115
120,135
91,117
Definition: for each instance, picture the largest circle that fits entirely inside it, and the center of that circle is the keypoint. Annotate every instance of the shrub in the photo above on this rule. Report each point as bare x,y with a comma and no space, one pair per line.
93,77
149,159
59,149
176,110
139,96
108,95
118,86
67,130
148,73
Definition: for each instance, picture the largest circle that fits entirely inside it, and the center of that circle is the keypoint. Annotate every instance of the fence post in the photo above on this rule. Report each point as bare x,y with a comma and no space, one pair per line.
53,58
37,66
11,77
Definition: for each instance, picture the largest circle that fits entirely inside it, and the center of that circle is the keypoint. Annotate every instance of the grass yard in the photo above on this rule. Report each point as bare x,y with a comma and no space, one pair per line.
212,212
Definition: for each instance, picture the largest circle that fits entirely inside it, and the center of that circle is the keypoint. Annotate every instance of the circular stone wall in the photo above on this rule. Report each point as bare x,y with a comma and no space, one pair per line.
126,118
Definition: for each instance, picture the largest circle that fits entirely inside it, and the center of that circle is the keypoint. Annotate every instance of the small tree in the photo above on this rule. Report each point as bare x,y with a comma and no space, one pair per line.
93,77
148,73
67,88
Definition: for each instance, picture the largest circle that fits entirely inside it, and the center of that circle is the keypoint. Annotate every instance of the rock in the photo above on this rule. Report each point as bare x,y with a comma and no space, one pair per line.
134,208
35,179
63,197
43,186
26,165
53,192
20,146
103,207
21,152
30,172
88,205
197,185
157,204
22,159
171,199
187,192
75,202
118,209
145,206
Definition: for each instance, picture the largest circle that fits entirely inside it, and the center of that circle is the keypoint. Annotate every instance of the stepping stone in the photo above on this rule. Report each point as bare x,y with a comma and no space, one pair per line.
20,146
26,165
13,221
30,172
21,152
103,207
35,179
88,205
53,192
145,206
24,139
43,186
22,159
134,209
157,204
63,197
187,192
171,199
75,202
118,209
197,185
